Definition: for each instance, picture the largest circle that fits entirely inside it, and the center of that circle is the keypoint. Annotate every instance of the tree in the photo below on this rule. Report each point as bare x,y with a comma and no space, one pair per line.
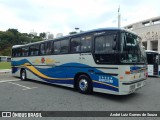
74,32
14,31
42,35
13,37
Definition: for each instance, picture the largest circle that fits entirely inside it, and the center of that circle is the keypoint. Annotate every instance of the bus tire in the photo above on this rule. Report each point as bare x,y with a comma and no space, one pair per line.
84,84
23,74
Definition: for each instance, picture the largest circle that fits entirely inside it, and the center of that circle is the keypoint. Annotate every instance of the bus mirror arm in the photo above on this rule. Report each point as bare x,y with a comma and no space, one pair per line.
114,45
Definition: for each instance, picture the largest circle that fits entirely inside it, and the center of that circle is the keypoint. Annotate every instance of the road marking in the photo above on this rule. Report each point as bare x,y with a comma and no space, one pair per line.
26,88
29,88
2,81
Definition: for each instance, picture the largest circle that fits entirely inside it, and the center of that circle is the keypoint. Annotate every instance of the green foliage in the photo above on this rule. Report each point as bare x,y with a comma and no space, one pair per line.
14,37
74,32
7,52
5,65
42,35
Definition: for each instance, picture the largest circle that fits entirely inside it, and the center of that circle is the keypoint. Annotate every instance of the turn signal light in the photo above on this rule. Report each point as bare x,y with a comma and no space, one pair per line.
127,72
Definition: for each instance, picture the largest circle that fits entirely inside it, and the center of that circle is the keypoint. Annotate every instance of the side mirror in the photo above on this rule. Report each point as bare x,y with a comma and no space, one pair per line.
114,44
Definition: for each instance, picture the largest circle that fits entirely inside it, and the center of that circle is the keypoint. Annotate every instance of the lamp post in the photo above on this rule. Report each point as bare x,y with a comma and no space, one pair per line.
119,18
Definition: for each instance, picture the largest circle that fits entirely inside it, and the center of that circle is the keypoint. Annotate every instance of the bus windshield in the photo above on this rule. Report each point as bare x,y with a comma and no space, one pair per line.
130,49
152,57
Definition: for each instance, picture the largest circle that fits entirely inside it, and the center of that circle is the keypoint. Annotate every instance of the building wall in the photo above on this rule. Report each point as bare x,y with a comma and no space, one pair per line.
149,31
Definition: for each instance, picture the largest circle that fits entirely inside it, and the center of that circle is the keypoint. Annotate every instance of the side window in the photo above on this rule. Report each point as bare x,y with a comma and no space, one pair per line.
56,49
14,52
64,46
25,51
34,50
104,48
99,44
86,43
75,44
48,47
17,52
104,44
42,48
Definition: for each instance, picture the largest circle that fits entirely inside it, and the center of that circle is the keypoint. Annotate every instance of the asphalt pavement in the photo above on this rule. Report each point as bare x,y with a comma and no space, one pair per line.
30,95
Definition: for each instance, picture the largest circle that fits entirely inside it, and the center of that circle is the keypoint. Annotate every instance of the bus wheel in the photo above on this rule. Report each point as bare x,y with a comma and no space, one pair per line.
23,75
84,84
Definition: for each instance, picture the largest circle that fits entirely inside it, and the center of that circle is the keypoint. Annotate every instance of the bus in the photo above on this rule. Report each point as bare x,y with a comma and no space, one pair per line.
153,62
106,60
159,65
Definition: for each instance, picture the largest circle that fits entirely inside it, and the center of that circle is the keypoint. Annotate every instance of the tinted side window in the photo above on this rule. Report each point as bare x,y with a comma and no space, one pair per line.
104,44
86,43
150,58
42,49
104,48
34,50
56,49
75,44
25,51
48,47
64,46
16,52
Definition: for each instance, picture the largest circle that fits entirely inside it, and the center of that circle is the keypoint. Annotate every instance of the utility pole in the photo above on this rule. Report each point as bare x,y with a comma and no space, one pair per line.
119,18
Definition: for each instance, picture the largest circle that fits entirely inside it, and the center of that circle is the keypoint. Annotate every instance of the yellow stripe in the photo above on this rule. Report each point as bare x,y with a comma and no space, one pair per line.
35,71
105,84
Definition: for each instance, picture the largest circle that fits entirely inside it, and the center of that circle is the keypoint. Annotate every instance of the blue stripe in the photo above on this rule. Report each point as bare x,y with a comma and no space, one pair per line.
70,72
99,85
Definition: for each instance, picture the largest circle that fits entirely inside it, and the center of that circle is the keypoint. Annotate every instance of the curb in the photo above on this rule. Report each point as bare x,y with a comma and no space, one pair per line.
5,71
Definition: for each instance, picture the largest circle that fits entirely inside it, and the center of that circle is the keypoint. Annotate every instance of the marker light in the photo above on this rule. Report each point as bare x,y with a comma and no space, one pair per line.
127,72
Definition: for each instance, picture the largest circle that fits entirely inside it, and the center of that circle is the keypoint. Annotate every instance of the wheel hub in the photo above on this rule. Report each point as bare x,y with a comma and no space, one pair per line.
83,84
23,75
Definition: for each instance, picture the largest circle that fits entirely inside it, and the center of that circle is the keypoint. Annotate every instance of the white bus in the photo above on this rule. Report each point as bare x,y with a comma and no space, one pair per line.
159,65
153,61
107,60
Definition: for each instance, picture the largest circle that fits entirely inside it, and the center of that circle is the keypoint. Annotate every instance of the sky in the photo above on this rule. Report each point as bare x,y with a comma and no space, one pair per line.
63,16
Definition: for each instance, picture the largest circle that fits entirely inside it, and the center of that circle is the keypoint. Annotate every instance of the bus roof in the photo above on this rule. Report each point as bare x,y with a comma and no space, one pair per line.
15,46
77,34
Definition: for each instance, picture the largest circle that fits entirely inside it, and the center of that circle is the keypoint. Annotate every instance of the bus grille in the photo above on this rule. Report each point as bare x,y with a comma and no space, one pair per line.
132,87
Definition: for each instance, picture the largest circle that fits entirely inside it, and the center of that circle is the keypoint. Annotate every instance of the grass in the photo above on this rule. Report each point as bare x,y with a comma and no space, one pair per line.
5,65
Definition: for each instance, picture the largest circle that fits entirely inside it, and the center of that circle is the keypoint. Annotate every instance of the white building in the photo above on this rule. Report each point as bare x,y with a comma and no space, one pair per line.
49,36
33,33
149,31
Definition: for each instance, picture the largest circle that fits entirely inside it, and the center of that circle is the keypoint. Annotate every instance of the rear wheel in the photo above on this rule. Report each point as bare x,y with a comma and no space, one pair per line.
23,75
84,84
